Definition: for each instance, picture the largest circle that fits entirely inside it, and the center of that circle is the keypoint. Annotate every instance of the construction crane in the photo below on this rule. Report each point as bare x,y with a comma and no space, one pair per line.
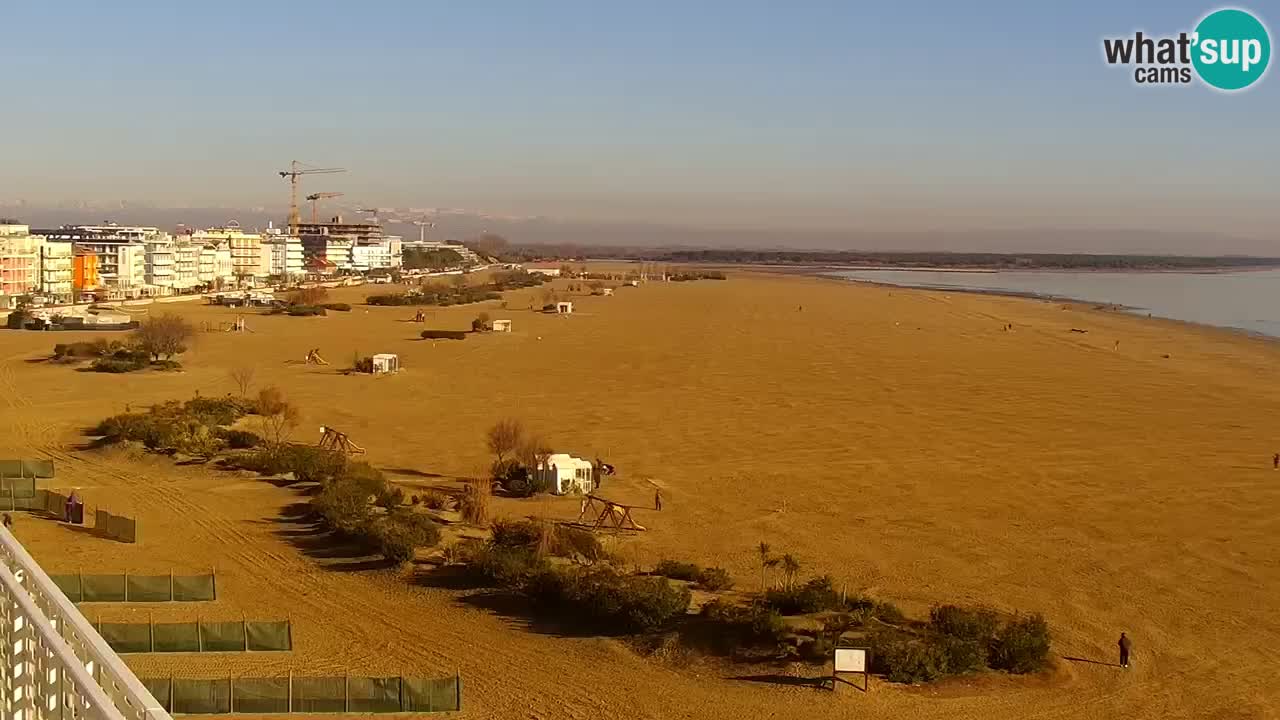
295,170
423,224
371,210
313,197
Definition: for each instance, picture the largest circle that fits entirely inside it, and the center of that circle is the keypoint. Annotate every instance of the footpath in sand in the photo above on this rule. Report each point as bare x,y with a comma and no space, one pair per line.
900,440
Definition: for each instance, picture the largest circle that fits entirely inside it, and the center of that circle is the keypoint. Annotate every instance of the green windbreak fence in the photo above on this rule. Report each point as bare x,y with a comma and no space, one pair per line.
197,637
81,588
262,696
26,468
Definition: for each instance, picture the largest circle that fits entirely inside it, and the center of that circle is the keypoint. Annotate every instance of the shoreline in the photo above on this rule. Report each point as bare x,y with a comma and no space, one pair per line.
1079,303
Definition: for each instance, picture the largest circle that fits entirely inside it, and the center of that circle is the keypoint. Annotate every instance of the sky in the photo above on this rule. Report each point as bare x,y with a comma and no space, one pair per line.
806,115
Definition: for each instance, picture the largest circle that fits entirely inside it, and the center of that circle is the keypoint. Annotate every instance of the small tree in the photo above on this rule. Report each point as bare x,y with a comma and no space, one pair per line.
766,554
164,336
505,437
534,451
790,567
277,415
243,378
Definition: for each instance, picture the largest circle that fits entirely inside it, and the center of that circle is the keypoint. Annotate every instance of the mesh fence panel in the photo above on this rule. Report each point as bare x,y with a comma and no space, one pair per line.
159,689
201,697
101,522
55,502
27,468
262,695
126,637
193,588
269,635
147,588
430,695
122,528
373,695
319,694
177,637
69,585
102,588
222,636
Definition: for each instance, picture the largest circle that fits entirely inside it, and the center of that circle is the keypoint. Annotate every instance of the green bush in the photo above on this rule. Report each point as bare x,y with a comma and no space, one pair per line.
114,365
525,534
241,439
737,626
908,660
816,595
343,507
608,601
1022,645
305,310
401,534
504,567
436,500
340,307
715,579
961,655
977,624
678,570
443,335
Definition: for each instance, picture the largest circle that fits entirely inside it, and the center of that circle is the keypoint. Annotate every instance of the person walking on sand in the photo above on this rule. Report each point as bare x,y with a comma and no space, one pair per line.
1125,646
1275,461
657,499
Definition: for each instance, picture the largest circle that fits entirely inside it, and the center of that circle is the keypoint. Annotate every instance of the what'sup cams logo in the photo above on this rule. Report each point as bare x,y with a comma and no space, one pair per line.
1229,50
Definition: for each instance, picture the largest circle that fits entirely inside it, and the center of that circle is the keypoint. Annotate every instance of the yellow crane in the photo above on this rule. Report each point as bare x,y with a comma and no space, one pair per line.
313,197
295,170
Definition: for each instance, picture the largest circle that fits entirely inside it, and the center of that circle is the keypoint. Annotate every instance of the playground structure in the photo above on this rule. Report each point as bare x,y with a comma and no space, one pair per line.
608,514
313,358
237,326
331,439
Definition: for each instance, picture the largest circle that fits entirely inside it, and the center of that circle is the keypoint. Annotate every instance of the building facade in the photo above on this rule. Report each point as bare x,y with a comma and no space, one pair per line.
19,261
287,256
55,271
250,259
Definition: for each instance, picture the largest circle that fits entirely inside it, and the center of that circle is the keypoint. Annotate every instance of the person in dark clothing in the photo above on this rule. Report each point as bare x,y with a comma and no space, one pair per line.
657,499
8,521
1126,645
1275,461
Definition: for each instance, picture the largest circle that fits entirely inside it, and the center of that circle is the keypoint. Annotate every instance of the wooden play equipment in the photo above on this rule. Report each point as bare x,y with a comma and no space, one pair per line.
331,439
313,358
609,514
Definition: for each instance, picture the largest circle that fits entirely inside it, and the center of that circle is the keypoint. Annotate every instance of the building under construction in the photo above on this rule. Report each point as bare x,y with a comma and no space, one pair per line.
356,246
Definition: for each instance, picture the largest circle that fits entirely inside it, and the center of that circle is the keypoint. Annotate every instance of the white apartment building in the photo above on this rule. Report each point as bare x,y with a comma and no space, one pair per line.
161,262
55,270
186,265
214,266
371,254
121,251
286,256
249,257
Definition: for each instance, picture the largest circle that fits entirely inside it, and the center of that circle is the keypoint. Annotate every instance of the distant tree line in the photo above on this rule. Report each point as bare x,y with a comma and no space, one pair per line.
1009,261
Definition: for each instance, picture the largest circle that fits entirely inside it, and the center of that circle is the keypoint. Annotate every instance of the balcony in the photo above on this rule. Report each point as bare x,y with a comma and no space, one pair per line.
54,664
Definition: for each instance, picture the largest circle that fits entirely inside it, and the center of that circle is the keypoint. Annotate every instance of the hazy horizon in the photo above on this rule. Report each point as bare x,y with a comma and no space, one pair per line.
822,124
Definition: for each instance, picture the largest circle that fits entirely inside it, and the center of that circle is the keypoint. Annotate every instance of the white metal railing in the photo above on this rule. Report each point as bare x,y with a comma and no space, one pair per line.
55,665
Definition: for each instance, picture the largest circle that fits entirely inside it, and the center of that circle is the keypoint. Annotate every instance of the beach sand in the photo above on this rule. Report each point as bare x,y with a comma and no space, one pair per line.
899,440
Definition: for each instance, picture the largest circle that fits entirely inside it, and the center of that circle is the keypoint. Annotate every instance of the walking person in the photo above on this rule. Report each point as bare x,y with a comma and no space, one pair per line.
1275,461
1126,645
657,499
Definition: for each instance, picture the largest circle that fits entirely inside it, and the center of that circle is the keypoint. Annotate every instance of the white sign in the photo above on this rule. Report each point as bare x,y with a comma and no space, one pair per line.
851,660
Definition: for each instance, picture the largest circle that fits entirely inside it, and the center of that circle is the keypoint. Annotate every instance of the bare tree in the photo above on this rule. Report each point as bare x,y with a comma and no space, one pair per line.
243,378
534,451
277,415
164,336
505,437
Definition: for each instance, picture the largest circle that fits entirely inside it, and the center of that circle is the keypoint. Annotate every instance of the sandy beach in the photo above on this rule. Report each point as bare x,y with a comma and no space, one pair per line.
901,440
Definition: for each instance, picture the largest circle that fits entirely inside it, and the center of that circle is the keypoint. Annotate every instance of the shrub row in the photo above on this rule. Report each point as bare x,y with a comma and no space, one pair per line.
451,295
713,579
444,335
961,640
195,427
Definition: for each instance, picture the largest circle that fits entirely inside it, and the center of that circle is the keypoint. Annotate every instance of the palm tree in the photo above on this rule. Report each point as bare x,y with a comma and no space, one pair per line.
790,566
764,550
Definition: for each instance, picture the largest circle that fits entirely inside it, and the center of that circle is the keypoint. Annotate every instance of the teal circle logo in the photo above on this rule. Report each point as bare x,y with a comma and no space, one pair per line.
1232,49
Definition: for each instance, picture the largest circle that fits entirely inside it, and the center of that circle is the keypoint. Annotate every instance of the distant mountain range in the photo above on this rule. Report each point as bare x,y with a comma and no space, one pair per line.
461,224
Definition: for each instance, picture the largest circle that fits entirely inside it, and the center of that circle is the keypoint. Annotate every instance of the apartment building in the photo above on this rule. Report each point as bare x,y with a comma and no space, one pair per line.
19,261
287,257
250,258
56,273
121,265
